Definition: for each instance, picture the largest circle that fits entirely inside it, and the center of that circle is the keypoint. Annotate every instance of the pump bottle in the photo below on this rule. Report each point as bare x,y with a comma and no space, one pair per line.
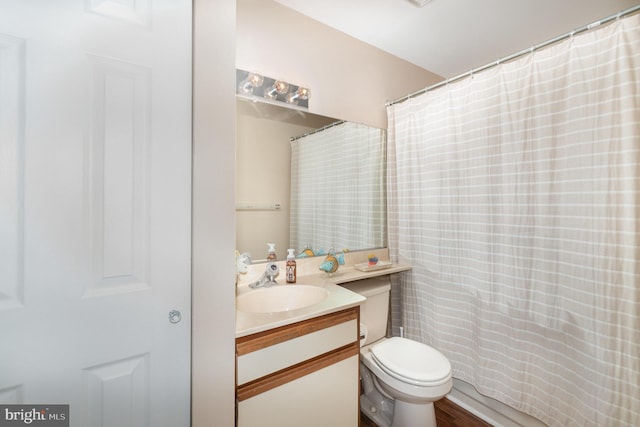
291,267
271,252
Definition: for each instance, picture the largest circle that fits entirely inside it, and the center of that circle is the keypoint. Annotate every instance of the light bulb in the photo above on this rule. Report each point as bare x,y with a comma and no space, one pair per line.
252,81
302,93
279,87
255,79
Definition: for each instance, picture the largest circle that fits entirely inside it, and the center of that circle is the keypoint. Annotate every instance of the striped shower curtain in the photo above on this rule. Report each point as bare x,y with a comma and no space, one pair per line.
337,188
514,194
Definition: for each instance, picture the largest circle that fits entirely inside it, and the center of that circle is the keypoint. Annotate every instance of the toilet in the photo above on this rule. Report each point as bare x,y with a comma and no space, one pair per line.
401,378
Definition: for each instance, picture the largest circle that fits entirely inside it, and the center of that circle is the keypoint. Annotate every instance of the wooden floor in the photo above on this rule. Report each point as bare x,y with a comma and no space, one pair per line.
448,414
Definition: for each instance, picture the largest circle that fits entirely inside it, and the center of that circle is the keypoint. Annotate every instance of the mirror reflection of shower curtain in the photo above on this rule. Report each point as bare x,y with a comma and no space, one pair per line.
514,194
338,188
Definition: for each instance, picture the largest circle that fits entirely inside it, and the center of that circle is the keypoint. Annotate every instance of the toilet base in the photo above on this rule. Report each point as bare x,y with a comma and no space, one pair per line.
416,415
386,411
375,413
407,414
374,404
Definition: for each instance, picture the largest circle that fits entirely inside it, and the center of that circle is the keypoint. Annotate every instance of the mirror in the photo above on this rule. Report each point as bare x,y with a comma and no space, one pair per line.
264,203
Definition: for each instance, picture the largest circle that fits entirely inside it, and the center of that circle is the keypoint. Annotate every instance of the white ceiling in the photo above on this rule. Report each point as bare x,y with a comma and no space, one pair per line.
451,37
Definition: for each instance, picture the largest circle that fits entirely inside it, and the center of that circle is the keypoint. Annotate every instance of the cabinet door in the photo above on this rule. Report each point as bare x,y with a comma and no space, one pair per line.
326,397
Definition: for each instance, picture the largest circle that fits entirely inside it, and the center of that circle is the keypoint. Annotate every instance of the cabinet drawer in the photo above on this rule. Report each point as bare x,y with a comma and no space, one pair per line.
260,355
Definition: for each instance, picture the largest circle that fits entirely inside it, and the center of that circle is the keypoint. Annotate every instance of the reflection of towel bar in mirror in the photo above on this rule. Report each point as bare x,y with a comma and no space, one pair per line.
258,206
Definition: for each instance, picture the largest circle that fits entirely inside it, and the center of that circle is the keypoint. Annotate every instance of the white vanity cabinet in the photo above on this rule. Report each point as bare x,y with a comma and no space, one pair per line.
302,374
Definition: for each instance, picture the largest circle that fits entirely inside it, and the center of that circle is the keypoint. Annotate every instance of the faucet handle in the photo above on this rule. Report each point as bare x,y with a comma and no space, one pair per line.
272,271
268,278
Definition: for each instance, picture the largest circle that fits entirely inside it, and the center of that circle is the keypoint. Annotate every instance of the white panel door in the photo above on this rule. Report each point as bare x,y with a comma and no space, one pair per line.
95,178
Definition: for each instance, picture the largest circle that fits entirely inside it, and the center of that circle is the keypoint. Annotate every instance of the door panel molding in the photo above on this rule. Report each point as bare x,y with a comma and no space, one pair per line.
12,69
118,176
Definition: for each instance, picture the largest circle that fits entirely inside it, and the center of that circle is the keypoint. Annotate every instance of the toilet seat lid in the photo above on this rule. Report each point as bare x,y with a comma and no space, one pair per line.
412,362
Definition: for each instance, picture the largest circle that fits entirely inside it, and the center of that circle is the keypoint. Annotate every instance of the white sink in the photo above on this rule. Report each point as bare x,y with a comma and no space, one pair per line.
279,298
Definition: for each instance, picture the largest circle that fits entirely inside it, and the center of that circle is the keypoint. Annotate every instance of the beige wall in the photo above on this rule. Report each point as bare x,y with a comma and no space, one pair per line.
349,79
213,236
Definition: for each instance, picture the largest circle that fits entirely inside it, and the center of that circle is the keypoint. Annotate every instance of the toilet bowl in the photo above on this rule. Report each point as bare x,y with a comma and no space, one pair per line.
401,378
410,376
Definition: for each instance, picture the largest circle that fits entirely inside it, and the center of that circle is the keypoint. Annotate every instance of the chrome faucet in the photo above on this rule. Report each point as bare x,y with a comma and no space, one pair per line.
268,278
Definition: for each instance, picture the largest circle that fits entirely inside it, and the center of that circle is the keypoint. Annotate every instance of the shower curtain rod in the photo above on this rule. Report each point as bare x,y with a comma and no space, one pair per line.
330,125
518,54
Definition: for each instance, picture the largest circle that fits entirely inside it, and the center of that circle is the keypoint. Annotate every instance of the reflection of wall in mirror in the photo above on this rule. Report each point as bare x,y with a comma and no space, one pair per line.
262,176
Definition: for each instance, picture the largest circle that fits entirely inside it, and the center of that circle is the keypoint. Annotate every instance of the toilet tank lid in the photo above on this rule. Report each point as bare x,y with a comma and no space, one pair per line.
369,287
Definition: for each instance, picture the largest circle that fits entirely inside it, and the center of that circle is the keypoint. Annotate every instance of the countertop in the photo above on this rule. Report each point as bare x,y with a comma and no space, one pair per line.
339,298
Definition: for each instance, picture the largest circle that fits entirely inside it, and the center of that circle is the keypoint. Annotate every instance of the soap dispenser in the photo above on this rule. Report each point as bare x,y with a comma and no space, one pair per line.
271,252
291,267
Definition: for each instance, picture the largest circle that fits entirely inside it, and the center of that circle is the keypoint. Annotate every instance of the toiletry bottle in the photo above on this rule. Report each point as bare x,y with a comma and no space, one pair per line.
291,267
271,252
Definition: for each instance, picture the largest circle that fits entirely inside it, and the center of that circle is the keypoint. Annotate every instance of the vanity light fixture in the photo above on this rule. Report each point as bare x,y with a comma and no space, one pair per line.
302,94
277,88
257,87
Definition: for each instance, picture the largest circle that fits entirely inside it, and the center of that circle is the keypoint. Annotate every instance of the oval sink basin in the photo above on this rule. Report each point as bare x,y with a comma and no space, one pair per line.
280,298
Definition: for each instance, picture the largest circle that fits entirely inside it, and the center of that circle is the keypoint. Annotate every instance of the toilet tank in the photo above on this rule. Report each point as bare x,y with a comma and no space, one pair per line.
374,312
